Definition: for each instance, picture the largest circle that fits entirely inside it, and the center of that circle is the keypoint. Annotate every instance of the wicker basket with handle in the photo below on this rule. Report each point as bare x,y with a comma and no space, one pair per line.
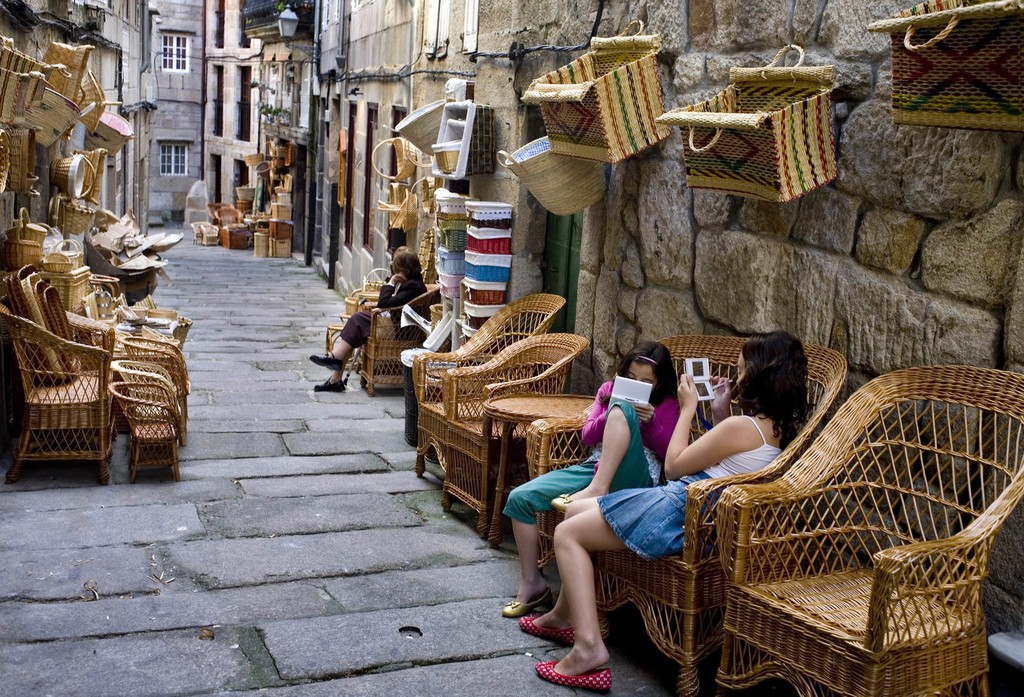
21,176
75,60
562,184
65,258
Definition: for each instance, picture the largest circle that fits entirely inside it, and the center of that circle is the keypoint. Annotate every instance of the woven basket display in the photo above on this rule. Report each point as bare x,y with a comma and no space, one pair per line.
75,60
402,207
603,105
71,217
958,63
52,118
19,92
97,163
768,135
91,100
21,176
253,159
5,159
562,184
427,255
421,126
261,244
72,286
111,134
407,158
64,259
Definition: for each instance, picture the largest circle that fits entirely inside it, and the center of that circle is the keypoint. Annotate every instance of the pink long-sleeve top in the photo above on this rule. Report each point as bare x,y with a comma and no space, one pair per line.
655,434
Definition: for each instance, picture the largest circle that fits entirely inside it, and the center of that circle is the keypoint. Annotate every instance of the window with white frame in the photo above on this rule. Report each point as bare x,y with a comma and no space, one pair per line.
174,52
173,159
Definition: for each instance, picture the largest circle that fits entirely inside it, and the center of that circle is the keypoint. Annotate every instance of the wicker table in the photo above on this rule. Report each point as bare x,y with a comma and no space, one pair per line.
521,410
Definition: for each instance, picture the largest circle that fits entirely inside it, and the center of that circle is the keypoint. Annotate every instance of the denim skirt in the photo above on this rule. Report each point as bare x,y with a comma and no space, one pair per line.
650,521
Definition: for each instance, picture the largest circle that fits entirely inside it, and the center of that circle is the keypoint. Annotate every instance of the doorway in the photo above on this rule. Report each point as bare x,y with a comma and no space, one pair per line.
562,265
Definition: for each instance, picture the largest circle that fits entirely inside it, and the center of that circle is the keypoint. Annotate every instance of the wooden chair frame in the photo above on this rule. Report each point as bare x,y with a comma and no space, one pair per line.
682,597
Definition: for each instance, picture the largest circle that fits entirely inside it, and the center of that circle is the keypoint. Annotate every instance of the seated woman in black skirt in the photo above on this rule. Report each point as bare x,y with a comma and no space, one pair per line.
405,284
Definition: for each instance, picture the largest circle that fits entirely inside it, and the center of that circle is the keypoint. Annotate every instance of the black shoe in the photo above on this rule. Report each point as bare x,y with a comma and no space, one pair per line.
328,361
329,386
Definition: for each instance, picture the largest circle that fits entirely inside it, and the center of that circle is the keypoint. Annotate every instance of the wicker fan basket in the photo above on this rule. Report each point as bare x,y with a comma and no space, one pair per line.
254,159
421,126
958,64
92,100
603,105
562,184
22,161
768,135
68,82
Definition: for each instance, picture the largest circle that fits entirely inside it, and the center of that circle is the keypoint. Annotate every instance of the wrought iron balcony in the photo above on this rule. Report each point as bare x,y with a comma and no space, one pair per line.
261,18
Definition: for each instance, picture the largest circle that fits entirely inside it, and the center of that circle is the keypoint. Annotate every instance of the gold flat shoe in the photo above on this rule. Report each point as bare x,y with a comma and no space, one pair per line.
560,503
518,609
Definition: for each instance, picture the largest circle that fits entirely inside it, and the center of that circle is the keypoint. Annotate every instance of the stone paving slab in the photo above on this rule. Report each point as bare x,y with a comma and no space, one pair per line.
431,634
166,663
307,412
227,371
283,466
360,441
274,403
381,423
259,426
252,517
59,573
404,460
497,580
249,561
25,622
139,494
326,484
100,527
215,446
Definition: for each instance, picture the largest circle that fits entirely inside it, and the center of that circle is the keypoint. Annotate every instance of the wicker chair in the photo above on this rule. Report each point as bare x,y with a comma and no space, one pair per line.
527,316
681,598
205,234
382,353
67,409
860,571
539,364
171,359
153,418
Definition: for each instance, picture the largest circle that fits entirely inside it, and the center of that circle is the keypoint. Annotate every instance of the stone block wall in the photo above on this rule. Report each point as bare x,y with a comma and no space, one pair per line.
911,257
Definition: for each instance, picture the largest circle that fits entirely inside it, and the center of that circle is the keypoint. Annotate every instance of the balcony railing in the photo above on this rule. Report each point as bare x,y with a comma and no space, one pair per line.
261,18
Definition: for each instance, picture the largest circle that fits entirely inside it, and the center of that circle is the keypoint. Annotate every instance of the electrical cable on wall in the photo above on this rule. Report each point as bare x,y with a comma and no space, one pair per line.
517,51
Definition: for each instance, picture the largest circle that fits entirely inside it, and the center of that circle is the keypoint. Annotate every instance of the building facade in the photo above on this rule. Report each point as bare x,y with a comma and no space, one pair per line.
176,157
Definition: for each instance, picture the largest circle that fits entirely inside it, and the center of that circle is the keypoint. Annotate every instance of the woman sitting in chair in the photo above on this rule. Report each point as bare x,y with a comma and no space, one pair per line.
405,284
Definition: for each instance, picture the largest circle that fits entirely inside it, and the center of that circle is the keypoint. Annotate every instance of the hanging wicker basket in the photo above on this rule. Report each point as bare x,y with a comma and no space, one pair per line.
97,162
768,135
402,206
53,118
111,134
958,64
19,92
407,158
21,176
563,185
587,111
70,217
75,60
421,126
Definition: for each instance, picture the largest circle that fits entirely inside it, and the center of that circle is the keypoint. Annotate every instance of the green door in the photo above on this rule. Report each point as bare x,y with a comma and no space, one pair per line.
562,265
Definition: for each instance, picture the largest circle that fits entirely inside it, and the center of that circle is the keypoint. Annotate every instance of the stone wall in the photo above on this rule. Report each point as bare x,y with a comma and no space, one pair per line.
910,257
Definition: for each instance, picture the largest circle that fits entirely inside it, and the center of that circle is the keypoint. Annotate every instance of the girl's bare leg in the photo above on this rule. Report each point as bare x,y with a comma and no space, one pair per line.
614,445
532,583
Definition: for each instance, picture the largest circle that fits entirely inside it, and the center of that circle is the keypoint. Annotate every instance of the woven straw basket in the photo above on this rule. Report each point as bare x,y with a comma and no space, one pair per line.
407,158
111,134
562,184
75,60
73,175
421,126
92,100
25,229
958,63
254,159
767,136
14,60
19,92
65,259
402,206
5,159
603,105
70,217
22,161
52,118
97,160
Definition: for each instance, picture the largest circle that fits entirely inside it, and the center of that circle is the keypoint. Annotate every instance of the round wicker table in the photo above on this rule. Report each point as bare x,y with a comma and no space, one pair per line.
521,410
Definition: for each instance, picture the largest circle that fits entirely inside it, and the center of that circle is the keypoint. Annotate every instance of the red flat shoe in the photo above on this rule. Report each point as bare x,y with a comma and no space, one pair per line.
596,680
566,635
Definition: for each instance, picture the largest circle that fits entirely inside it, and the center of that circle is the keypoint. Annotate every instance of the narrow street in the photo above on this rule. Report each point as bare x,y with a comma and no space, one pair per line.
299,551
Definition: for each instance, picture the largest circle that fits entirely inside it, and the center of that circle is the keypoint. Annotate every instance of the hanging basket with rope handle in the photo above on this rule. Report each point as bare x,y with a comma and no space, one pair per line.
768,135
588,113
407,158
402,207
958,64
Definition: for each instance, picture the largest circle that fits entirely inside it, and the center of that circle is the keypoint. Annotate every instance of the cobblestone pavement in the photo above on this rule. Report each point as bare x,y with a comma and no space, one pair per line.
299,552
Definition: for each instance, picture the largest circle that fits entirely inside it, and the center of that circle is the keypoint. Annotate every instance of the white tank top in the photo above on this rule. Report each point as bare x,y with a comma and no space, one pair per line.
748,461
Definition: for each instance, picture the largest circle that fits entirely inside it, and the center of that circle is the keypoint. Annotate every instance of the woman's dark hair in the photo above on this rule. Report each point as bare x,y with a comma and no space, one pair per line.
407,263
651,352
774,382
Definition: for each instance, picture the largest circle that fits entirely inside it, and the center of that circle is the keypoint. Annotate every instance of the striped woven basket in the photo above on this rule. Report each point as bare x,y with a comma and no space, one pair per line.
767,136
19,92
958,63
604,104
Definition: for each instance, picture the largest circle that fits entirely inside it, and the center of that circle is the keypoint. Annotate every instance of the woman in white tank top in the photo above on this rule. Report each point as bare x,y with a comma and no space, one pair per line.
771,391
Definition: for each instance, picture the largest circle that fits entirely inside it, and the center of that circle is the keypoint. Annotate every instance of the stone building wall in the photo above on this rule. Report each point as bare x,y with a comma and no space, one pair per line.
911,257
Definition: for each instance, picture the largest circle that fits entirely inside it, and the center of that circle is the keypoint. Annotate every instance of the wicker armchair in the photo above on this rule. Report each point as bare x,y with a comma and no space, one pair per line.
539,364
681,598
527,316
382,353
152,412
205,234
860,571
170,358
67,407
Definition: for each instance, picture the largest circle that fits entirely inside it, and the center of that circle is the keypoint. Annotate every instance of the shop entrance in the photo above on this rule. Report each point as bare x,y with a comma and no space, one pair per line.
562,265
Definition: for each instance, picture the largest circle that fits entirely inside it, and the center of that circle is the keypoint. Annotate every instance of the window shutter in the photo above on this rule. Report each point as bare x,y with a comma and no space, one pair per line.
432,11
443,17
472,21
